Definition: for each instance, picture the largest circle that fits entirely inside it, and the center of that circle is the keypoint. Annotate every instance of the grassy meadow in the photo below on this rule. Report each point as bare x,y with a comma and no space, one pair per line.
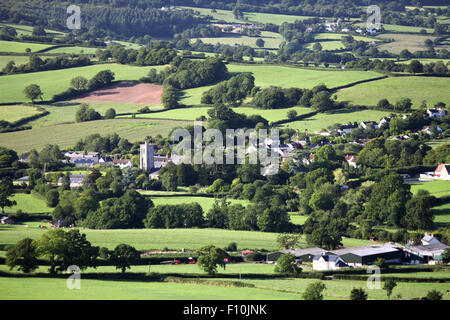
28,203
173,239
56,289
20,47
66,135
286,77
17,59
272,40
13,113
411,42
204,202
73,50
437,188
193,113
431,89
56,81
324,120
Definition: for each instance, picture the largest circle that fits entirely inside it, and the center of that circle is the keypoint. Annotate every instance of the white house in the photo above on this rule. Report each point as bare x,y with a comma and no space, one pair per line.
328,262
366,124
442,172
122,163
429,239
351,160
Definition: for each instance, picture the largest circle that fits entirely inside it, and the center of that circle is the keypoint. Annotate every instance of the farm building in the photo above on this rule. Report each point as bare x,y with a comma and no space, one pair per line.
76,180
358,256
305,255
429,253
325,261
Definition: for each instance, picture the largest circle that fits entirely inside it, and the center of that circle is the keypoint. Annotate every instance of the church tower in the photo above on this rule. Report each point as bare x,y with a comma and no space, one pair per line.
146,158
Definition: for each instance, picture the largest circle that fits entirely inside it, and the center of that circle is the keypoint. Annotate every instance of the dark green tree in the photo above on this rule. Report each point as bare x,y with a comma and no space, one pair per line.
124,256
23,254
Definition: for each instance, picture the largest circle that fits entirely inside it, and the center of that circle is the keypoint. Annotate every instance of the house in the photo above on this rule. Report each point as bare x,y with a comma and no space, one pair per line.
324,133
365,255
302,255
82,162
24,157
348,128
351,160
76,180
372,32
429,239
367,124
436,113
6,220
325,261
442,172
384,121
122,163
160,161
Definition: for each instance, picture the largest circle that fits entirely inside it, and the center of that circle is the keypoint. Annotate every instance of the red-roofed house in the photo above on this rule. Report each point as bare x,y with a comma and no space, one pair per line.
351,160
442,172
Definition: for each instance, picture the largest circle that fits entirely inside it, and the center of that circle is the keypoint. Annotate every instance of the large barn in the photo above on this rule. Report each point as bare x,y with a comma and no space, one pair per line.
358,256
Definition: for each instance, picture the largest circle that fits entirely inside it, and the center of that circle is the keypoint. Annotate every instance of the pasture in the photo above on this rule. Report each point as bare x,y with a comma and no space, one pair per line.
272,40
418,89
28,203
173,239
341,288
13,113
442,215
205,202
28,30
193,113
411,42
56,81
255,17
324,120
66,135
20,47
73,50
326,45
286,77
56,289
437,188
17,59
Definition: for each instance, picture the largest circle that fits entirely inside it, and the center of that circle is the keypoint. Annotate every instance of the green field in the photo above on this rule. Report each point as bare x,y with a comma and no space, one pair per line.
437,188
174,239
227,15
438,142
56,289
338,36
17,59
411,42
74,50
442,215
194,112
270,75
28,30
16,112
327,45
431,89
272,40
66,135
324,120
298,219
342,288
19,47
64,112
28,203
56,81
204,202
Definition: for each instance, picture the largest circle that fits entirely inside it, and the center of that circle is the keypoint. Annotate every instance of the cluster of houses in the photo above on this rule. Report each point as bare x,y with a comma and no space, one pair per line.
338,26
429,251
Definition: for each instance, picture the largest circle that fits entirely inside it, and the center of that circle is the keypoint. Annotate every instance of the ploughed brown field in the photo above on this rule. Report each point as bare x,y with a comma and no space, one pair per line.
127,93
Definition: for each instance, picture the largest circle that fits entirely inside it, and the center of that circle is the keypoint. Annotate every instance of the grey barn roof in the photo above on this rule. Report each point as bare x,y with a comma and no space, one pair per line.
300,252
429,247
365,250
